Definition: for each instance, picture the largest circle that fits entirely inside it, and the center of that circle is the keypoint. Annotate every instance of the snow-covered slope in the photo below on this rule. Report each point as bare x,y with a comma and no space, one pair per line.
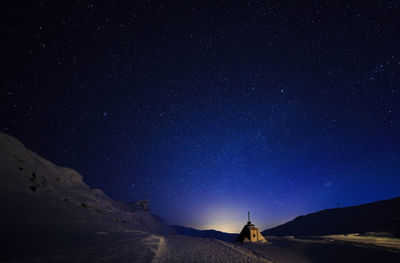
49,214
26,175
46,207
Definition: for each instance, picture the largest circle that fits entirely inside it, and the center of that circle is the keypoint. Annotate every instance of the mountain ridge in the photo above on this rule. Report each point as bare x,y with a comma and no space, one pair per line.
378,216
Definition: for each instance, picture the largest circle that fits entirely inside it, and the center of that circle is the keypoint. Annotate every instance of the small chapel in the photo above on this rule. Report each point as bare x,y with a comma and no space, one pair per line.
250,233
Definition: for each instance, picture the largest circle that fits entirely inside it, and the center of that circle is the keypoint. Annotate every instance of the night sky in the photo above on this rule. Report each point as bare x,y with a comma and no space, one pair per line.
210,109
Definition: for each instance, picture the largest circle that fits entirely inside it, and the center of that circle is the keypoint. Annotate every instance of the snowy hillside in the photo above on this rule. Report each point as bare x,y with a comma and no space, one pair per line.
48,213
47,207
26,175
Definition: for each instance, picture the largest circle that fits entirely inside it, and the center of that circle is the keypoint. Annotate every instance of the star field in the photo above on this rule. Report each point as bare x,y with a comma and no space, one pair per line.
210,109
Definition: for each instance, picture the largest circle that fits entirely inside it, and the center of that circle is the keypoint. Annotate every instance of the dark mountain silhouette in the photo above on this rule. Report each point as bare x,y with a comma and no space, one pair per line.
380,216
187,231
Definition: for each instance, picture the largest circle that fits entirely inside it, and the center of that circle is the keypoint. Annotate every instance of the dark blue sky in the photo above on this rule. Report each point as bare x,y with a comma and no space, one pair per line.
210,109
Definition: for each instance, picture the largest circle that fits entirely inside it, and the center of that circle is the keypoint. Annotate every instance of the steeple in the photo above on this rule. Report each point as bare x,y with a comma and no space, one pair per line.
248,215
